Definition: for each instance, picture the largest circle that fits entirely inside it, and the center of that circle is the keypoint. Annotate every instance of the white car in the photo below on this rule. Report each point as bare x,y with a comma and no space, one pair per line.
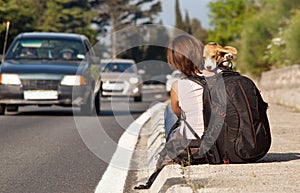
120,77
171,78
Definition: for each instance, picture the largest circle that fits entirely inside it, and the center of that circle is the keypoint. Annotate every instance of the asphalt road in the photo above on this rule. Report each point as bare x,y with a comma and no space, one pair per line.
42,150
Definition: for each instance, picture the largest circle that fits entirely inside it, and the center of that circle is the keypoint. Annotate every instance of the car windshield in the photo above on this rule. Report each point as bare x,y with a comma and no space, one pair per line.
118,67
37,49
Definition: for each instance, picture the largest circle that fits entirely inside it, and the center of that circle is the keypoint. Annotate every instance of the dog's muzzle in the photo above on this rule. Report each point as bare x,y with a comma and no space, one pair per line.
209,65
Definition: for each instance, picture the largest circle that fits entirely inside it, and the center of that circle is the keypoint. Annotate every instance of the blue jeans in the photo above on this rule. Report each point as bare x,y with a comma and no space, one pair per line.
170,119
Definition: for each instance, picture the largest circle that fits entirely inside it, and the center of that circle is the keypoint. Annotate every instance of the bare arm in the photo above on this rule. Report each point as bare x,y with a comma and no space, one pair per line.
174,99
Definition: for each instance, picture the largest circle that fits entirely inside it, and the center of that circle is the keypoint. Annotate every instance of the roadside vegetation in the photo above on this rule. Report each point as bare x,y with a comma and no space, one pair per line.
266,33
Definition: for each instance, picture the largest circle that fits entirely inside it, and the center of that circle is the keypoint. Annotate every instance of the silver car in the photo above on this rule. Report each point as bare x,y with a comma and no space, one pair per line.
120,77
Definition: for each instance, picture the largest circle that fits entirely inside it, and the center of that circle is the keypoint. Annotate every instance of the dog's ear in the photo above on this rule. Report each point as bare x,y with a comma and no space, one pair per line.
229,49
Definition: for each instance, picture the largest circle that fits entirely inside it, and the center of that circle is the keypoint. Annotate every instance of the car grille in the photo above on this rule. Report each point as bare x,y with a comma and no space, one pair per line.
40,84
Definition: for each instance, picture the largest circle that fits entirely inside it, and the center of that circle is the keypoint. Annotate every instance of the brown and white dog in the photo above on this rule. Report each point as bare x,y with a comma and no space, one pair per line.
217,57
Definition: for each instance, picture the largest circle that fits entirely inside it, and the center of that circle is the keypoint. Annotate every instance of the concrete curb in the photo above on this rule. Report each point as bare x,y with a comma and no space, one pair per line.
156,139
127,142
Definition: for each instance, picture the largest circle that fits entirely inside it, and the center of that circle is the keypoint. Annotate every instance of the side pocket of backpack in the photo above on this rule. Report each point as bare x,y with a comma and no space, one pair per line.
253,139
263,130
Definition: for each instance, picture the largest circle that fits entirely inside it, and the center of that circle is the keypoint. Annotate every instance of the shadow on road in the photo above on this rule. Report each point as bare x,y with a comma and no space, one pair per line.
279,157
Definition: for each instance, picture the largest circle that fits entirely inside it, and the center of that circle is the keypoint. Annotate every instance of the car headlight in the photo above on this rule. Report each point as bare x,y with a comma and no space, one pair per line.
133,80
12,79
73,80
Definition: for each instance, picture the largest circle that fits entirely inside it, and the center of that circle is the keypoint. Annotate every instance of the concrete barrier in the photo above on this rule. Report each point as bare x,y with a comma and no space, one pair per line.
282,86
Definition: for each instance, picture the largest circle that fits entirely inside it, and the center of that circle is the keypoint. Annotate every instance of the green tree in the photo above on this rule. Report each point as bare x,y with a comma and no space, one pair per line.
52,15
291,40
227,18
50,20
179,24
118,14
158,36
154,59
187,23
260,48
252,47
65,16
198,31
20,13
192,27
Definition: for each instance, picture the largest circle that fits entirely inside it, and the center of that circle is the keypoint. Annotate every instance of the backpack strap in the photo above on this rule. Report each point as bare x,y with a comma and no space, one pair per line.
183,117
225,73
203,81
174,127
199,80
216,113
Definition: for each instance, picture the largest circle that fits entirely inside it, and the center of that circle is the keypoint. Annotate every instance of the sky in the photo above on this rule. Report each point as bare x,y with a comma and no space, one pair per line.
195,8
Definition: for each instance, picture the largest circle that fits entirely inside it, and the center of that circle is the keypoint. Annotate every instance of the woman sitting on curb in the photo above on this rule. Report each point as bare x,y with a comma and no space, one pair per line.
185,54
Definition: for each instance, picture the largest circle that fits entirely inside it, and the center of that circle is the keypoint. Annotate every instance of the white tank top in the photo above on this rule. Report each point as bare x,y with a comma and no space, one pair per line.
190,101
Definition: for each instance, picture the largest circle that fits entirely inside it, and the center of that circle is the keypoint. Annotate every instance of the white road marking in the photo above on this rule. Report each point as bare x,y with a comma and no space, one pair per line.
113,179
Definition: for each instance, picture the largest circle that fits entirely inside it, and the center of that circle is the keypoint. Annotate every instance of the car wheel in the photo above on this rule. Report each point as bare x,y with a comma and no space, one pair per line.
2,109
138,98
97,103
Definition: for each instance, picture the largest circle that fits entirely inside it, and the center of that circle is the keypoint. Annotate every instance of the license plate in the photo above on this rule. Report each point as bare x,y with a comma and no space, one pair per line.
40,94
113,86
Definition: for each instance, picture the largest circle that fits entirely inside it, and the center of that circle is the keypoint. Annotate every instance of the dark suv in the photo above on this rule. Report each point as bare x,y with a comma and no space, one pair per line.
50,69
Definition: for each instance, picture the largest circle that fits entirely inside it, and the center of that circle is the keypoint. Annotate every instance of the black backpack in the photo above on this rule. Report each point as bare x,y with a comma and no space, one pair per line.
235,117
